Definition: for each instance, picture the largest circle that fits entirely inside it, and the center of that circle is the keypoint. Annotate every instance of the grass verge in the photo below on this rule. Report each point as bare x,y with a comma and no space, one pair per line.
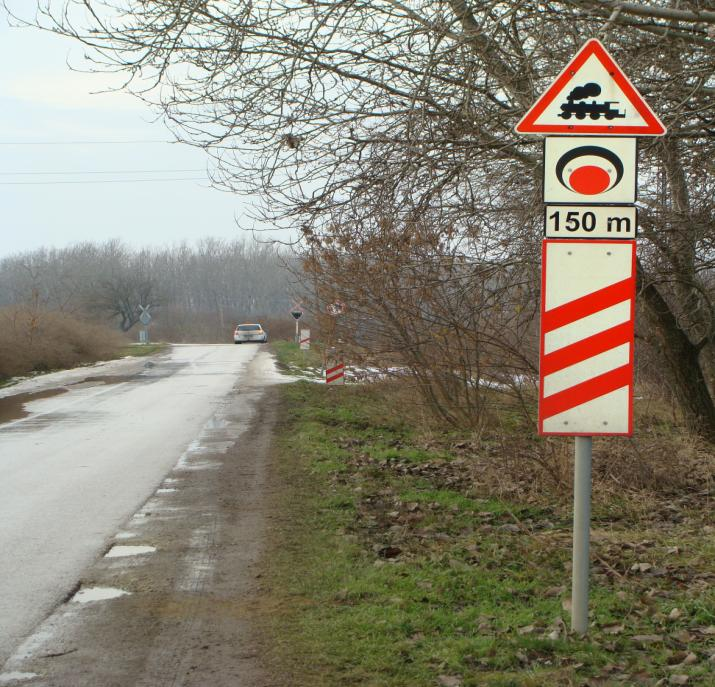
396,564
294,361
140,350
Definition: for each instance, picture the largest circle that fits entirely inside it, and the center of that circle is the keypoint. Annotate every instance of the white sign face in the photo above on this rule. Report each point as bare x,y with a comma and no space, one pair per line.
590,222
587,315
588,170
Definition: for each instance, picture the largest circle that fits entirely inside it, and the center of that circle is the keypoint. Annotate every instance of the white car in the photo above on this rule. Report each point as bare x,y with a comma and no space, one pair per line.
250,332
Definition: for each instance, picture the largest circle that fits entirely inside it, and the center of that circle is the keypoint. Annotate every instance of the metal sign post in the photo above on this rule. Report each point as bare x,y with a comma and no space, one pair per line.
145,319
588,269
581,534
297,312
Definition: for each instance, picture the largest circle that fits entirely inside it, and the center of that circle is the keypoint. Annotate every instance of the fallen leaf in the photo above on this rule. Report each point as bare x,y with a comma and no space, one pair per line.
690,659
566,605
675,614
389,552
678,679
707,630
673,550
641,567
552,592
613,629
449,681
526,630
684,637
647,639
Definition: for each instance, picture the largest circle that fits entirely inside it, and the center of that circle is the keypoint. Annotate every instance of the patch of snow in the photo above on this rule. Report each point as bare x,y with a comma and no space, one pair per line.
119,551
125,535
89,594
15,676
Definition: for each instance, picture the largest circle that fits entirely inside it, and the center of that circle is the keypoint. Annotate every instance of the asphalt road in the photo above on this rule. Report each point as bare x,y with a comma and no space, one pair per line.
75,468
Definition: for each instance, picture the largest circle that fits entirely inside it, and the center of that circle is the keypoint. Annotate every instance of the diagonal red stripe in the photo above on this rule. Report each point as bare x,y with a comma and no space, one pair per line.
586,391
586,348
587,305
330,370
328,380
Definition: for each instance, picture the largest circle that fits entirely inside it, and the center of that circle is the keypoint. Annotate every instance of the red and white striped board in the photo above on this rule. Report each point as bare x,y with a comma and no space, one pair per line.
305,339
587,325
335,373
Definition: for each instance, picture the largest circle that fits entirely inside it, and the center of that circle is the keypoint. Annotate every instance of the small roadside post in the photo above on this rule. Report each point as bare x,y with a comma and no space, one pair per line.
333,364
145,319
305,339
588,269
296,312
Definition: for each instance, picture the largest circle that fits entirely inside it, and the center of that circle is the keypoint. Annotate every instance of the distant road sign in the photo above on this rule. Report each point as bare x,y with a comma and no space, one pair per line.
587,320
591,96
335,372
590,222
297,314
335,309
145,318
589,170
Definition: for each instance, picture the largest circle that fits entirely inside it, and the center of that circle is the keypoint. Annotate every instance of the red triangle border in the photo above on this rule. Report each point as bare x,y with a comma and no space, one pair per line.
653,127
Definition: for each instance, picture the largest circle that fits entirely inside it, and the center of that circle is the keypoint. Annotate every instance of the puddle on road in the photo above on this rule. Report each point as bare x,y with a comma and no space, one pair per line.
15,676
105,379
84,596
13,407
119,551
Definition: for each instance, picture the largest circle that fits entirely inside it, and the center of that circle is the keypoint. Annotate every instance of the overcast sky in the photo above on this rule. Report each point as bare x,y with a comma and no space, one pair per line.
54,133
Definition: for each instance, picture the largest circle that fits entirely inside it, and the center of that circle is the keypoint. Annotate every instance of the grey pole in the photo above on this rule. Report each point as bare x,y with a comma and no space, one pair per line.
297,334
581,532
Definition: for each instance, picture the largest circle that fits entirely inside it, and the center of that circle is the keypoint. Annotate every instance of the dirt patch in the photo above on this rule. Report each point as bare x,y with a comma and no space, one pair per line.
13,407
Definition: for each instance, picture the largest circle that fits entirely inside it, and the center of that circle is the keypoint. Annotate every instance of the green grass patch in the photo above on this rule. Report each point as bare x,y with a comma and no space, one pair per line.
394,569
140,350
295,361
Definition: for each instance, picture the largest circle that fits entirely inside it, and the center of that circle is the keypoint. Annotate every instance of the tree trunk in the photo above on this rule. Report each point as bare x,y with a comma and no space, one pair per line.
682,359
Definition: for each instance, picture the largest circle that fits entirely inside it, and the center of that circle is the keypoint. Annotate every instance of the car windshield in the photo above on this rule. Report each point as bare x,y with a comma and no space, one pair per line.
249,327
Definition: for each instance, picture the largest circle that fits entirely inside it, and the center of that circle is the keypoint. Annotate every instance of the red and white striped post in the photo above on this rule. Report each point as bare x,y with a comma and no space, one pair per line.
335,372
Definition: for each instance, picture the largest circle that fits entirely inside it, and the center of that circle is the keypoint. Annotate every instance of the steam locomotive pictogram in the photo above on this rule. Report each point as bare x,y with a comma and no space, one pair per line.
594,110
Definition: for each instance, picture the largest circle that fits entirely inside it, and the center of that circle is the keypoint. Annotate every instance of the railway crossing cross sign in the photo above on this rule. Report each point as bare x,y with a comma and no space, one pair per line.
591,96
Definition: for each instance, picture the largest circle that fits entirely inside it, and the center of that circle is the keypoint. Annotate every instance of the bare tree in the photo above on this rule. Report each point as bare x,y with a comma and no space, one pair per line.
336,110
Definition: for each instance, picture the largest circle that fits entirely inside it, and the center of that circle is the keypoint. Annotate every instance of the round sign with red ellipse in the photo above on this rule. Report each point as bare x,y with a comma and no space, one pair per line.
589,170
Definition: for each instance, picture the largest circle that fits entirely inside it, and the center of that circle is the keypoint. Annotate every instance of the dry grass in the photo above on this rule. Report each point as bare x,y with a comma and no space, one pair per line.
33,340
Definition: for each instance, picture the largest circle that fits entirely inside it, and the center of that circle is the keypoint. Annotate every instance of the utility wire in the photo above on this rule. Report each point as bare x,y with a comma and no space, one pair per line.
78,143
101,181
116,171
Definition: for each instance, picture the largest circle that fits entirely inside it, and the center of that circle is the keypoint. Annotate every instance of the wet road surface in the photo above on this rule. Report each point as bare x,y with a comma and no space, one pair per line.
75,465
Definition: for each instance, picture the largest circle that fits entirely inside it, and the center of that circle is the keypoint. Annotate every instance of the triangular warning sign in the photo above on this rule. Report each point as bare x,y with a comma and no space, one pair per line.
591,96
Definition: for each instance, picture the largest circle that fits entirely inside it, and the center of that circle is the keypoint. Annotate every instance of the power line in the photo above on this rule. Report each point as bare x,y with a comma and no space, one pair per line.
80,143
101,181
117,171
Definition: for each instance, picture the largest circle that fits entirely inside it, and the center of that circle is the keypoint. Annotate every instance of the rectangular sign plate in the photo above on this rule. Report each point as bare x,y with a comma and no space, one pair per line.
590,222
587,324
588,169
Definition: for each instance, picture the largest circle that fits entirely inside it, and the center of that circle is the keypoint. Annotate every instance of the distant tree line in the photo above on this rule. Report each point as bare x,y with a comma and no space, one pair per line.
195,292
